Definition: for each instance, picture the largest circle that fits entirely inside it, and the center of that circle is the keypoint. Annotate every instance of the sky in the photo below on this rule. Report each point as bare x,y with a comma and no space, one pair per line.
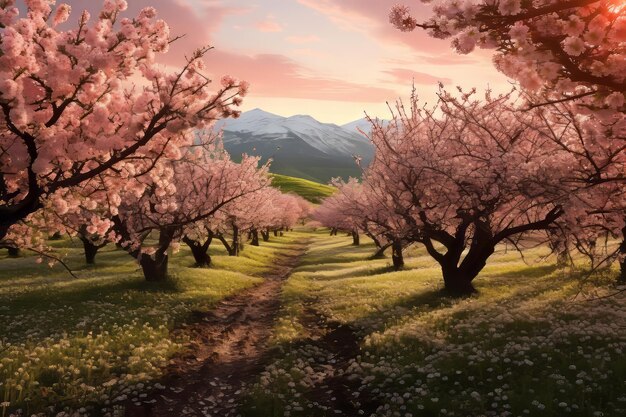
331,59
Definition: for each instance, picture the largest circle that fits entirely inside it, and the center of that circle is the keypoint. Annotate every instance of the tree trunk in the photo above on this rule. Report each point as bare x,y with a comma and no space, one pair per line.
14,252
275,232
456,283
266,235
56,236
380,253
458,278
154,270
155,267
375,239
255,237
90,250
231,249
333,231
200,251
621,278
356,239
236,245
397,256
90,246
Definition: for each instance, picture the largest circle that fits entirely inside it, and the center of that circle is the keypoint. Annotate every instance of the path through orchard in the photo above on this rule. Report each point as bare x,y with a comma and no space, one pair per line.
227,349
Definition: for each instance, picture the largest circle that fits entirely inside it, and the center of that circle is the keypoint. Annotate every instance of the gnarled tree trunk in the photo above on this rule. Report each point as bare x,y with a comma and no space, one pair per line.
155,266
200,251
154,269
380,253
266,235
457,277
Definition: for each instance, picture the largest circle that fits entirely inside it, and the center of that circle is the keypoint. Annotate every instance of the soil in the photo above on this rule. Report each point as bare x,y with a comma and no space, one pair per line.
227,349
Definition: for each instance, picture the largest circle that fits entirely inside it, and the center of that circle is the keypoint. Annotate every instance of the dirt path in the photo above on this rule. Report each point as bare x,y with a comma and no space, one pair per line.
333,395
228,349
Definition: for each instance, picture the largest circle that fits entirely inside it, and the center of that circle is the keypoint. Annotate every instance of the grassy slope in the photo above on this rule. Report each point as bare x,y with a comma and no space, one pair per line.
75,341
312,191
522,346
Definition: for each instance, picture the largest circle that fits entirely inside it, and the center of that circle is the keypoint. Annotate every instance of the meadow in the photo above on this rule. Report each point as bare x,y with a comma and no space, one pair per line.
100,339
352,337
535,341
312,191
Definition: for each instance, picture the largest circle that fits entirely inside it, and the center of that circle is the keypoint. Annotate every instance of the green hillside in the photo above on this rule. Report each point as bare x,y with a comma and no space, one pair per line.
312,191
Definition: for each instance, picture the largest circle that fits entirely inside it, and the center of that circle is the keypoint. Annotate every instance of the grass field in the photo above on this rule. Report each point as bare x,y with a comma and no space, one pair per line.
523,347
349,328
312,191
99,339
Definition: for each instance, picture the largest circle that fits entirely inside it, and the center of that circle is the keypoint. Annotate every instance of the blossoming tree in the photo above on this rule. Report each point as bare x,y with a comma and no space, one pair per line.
178,195
465,176
77,104
573,49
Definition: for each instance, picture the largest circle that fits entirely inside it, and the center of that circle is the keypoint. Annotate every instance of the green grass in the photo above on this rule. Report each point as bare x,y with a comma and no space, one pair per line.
521,347
87,341
312,191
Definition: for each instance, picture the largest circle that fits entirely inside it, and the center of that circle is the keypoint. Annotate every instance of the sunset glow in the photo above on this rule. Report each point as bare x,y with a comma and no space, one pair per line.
330,59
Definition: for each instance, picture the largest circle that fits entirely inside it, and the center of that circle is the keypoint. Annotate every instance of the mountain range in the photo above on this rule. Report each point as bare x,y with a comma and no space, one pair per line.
299,146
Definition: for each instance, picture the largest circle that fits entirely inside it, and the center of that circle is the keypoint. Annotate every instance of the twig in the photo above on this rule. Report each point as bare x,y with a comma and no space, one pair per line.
47,255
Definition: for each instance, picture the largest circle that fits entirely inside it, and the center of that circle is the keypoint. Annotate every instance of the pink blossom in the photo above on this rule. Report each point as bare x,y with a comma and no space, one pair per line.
62,14
401,18
509,7
574,26
519,32
573,45
615,100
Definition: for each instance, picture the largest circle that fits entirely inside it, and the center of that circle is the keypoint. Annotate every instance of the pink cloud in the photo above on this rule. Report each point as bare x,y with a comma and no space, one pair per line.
371,16
448,59
302,39
405,76
269,26
278,76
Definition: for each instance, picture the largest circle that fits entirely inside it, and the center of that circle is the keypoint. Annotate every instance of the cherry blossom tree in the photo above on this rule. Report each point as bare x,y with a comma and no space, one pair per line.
81,103
597,177
465,176
560,52
571,50
368,207
339,212
178,195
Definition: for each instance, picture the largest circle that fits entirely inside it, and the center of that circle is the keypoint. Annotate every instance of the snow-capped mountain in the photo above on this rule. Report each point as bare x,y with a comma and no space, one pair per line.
361,124
298,145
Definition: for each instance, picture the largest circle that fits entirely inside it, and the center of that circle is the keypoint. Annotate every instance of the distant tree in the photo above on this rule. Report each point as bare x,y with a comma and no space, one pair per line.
178,196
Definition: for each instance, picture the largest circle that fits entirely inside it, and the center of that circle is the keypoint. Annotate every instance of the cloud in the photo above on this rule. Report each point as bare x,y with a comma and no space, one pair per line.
371,17
302,39
274,75
406,76
269,25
